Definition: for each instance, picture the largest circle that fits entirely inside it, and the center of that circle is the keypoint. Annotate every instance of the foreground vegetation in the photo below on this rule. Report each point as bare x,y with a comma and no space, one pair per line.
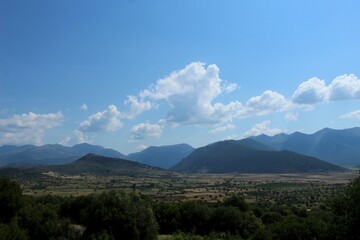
118,215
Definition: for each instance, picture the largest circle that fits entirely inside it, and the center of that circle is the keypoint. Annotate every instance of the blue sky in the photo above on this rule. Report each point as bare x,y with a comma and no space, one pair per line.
130,74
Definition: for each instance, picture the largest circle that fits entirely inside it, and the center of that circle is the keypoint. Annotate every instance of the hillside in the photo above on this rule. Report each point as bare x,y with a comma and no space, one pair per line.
335,146
30,155
232,156
89,164
163,156
99,165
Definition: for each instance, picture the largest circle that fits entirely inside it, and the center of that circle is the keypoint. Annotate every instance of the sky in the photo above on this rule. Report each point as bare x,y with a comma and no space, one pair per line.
128,74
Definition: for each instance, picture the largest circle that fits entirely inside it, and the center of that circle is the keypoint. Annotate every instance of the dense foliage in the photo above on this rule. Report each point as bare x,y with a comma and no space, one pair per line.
117,215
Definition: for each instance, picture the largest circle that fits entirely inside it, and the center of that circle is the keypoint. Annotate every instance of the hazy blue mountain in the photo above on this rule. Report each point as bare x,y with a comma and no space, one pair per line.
231,156
255,145
99,165
163,156
85,148
335,146
48,154
90,164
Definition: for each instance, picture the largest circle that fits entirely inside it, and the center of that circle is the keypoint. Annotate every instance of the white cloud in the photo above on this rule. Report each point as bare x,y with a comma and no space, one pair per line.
312,91
190,93
345,87
227,127
229,87
292,117
105,121
266,103
137,106
145,130
262,128
76,138
84,107
142,147
352,115
28,128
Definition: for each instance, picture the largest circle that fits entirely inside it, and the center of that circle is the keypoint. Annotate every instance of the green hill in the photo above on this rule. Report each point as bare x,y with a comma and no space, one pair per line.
236,156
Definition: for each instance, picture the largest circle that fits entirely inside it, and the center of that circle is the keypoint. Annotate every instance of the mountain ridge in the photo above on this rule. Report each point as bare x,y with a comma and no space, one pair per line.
332,145
162,156
230,156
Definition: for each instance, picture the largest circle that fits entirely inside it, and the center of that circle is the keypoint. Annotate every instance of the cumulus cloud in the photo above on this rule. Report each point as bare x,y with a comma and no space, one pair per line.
312,91
190,93
351,115
27,128
345,87
137,106
266,103
227,127
105,121
142,131
262,128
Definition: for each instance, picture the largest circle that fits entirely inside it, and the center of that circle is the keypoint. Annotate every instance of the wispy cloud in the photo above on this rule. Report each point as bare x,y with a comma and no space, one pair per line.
262,128
352,115
220,129
84,107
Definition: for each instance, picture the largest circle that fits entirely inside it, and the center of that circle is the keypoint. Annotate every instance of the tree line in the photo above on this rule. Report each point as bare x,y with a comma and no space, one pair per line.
119,215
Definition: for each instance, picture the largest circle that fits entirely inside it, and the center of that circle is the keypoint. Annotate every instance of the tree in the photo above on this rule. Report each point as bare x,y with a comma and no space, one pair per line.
10,199
236,200
346,212
116,215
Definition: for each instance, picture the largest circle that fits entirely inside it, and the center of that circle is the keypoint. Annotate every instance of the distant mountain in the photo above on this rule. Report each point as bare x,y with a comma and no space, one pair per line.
99,165
85,148
163,157
248,156
335,146
30,155
90,164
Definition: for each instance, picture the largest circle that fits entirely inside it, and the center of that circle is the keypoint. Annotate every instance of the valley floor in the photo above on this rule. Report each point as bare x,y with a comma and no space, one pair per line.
301,189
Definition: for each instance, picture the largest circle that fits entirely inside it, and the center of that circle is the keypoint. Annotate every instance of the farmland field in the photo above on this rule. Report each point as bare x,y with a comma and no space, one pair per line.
301,189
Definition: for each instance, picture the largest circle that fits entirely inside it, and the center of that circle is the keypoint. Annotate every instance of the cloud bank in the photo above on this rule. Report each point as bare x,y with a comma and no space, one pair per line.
28,128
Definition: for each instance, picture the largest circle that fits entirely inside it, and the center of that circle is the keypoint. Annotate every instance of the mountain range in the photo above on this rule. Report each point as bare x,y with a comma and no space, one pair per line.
90,164
249,156
163,156
30,155
335,146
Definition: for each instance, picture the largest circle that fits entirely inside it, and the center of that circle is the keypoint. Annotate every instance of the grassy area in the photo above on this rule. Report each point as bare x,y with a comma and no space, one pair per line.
302,189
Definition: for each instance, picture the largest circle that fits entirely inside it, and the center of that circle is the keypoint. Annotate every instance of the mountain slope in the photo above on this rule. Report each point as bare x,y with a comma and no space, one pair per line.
99,165
49,154
335,146
163,157
90,164
230,156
